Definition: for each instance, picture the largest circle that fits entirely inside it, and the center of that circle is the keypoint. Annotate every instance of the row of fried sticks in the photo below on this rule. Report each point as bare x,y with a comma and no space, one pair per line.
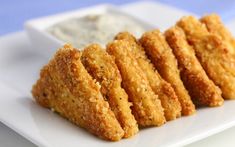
143,82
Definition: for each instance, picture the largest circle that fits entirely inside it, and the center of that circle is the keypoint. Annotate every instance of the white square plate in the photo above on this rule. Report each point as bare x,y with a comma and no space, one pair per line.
19,69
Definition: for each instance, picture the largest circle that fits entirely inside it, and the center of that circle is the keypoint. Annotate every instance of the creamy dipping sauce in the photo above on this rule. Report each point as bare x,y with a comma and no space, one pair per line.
94,29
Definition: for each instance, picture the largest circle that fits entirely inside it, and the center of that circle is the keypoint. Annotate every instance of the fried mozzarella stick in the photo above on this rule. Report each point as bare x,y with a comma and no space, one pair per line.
212,53
147,107
66,87
201,89
215,26
165,92
165,62
102,67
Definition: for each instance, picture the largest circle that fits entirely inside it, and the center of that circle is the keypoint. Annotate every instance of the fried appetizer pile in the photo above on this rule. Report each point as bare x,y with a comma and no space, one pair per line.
213,54
102,67
142,82
165,62
66,87
147,108
201,89
165,92
215,26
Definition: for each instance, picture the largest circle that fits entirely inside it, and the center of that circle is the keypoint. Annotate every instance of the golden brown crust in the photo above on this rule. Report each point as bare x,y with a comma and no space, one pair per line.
165,92
147,107
102,67
201,89
213,54
215,26
66,87
162,57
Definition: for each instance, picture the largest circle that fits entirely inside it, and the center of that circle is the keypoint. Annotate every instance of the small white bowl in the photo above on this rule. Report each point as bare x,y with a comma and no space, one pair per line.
46,44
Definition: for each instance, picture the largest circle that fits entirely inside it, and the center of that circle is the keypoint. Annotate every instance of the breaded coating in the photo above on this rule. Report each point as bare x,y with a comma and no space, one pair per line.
165,92
102,67
201,89
212,53
165,62
66,87
146,107
215,26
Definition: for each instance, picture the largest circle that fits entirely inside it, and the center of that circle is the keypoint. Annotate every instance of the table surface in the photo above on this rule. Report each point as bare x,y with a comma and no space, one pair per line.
14,13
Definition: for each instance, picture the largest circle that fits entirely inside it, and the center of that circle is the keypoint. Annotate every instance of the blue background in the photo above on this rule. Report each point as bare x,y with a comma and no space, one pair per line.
13,13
